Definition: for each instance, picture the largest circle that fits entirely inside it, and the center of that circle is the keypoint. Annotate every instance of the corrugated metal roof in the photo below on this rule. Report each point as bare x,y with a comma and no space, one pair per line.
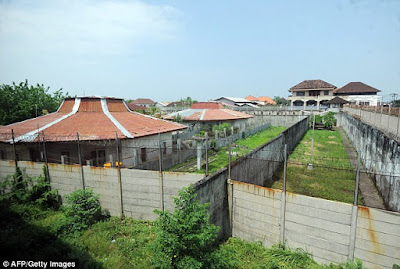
234,99
91,122
209,115
207,105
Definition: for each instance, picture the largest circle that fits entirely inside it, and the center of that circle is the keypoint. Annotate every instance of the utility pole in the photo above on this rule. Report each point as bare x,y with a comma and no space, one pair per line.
394,97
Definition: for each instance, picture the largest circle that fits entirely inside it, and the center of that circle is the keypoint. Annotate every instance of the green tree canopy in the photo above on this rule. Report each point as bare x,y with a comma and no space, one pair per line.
280,101
21,101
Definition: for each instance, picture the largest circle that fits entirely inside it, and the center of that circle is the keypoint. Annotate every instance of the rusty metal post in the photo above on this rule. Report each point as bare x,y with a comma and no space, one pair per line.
119,176
161,176
45,158
80,160
14,149
283,199
353,227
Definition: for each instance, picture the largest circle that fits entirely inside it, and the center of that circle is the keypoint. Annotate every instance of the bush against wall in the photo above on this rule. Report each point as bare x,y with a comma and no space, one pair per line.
82,209
185,238
21,188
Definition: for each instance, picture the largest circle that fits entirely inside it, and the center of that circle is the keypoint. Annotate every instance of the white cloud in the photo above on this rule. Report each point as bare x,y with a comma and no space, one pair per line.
62,26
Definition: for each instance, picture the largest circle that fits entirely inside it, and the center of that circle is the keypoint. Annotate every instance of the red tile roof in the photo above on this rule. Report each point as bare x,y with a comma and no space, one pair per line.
251,98
312,84
207,105
91,122
356,87
146,101
266,99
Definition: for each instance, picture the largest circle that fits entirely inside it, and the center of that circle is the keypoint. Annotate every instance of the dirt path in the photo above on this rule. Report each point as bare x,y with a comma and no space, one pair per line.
368,190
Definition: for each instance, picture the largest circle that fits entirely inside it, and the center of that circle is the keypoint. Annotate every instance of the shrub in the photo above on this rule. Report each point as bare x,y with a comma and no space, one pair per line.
82,209
329,120
213,144
21,188
220,128
177,118
185,238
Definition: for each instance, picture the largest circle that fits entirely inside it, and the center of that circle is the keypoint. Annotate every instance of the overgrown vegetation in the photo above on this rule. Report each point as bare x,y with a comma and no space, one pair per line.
332,176
21,188
22,101
220,158
183,239
328,120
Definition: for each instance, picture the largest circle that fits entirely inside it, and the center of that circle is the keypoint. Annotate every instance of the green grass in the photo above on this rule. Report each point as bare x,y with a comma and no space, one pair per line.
241,147
26,232
332,178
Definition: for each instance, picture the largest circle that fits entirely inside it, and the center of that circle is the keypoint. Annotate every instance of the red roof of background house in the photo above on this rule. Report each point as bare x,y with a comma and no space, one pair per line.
133,106
312,84
266,99
250,98
145,101
207,105
356,87
93,118
209,115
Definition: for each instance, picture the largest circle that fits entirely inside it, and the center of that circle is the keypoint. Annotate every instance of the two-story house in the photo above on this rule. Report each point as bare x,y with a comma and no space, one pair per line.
311,93
359,93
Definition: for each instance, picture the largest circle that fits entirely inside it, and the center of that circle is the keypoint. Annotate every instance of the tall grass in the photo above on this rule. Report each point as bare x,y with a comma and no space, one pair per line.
332,177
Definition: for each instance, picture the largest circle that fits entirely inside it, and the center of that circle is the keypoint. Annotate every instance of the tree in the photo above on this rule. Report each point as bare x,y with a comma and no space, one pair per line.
396,103
280,101
185,238
19,102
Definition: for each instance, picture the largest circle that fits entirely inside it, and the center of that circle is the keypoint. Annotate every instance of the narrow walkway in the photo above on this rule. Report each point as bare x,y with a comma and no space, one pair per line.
372,198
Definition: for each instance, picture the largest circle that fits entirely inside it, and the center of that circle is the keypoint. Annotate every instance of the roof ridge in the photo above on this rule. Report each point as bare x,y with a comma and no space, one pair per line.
31,133
114,120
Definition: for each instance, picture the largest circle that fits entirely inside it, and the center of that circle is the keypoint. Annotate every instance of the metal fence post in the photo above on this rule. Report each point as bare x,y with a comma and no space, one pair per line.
230,190
229,160
206,154
353,228
283,199
161,177
310,165
14,149
80,160
119,176
357,179
45,158
398,124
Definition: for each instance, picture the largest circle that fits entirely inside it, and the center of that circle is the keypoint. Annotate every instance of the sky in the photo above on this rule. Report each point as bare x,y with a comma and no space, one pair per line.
166,50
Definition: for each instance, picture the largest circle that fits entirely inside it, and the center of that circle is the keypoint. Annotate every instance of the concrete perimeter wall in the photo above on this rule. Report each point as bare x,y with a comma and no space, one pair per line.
214,190
141,189
389,124
259,166
323,228
380,155
286,119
